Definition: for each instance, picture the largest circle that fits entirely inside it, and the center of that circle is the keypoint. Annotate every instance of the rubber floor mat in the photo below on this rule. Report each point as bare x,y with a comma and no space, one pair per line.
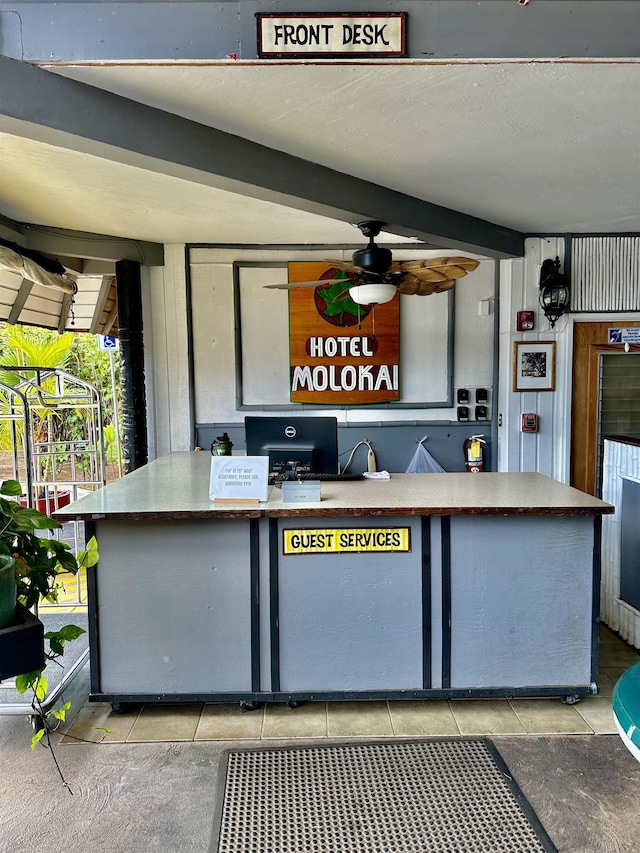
440,796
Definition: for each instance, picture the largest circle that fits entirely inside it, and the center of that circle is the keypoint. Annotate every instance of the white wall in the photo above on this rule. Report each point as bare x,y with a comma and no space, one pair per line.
544,451
167,346
166,354
548,450
422,352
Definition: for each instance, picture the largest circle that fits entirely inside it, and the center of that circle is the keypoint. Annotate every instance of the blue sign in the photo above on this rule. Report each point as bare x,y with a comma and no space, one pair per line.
108,342
625,335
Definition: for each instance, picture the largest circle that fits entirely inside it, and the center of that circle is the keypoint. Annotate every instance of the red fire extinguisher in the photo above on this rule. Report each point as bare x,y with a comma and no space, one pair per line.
474,454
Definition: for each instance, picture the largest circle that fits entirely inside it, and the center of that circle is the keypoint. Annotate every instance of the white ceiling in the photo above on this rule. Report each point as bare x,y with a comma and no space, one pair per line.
538,146
542,147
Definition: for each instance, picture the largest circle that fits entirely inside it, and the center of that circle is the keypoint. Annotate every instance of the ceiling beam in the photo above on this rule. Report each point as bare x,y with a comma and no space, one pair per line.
39,104
82,251
75,30
99,247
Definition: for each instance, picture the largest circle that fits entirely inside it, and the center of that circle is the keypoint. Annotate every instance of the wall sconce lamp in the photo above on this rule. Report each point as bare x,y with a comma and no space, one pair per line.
554,291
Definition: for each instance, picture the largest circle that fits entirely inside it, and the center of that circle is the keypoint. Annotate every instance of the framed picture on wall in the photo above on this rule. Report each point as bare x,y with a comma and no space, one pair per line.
534,365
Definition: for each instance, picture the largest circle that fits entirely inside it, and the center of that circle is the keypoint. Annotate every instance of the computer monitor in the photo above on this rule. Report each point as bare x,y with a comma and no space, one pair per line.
301,444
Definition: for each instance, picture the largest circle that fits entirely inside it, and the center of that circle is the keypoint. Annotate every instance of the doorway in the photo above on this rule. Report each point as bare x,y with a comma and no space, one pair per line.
605,398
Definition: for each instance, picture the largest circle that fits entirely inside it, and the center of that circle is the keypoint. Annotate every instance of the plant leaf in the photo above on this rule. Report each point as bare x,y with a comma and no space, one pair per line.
11,487
56,646
62,712
41,687
67,632
35,740
24,681
90,556
26,519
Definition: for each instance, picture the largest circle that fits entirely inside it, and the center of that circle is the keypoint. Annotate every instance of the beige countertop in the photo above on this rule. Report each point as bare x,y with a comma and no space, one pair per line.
177,486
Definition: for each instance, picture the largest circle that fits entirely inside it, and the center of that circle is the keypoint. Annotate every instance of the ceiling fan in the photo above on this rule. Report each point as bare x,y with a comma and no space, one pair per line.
374,277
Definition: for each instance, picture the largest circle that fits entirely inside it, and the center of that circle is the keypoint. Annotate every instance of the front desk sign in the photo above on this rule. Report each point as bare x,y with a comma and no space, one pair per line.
370,34
347,540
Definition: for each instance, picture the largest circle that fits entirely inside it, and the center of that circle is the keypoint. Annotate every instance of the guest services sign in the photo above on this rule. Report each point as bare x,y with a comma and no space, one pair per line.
347,540
368,34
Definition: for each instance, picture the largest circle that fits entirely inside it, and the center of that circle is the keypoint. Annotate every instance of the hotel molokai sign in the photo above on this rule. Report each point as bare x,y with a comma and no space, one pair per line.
340,353
352,34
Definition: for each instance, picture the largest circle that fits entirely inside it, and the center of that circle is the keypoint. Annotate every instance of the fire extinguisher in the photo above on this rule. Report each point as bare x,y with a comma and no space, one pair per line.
474,454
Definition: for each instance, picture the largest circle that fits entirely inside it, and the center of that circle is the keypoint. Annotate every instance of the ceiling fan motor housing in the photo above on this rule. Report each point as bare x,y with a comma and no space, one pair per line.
372,259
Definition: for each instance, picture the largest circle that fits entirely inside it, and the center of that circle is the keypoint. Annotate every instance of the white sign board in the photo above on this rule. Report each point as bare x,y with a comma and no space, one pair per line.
367,34
239,478
108,342
629,335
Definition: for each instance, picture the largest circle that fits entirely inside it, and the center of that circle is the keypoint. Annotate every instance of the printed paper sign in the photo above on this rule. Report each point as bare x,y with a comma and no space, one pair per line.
239,478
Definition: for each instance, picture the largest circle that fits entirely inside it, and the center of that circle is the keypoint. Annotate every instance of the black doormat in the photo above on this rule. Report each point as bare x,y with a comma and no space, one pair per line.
440,795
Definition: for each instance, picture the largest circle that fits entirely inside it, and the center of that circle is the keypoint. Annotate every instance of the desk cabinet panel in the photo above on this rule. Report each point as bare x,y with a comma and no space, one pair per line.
521,596
173,606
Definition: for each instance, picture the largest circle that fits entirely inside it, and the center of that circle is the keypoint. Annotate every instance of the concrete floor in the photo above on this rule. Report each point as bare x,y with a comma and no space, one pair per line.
158,796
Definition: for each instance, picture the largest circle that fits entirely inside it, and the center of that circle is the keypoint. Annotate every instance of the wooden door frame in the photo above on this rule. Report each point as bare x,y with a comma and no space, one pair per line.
589,343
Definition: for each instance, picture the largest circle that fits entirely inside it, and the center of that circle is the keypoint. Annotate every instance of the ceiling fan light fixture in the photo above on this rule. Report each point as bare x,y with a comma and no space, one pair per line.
372,294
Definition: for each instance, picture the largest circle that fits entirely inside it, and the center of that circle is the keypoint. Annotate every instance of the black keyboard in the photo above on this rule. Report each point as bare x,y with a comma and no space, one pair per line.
307,475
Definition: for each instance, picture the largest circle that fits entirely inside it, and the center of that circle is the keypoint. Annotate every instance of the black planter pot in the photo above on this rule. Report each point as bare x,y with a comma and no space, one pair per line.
21,644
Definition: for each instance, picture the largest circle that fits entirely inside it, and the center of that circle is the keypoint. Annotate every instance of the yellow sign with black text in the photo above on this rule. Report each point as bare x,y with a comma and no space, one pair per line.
347,540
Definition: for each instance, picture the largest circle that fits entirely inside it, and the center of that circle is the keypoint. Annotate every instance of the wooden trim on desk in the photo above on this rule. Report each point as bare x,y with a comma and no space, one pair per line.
318,511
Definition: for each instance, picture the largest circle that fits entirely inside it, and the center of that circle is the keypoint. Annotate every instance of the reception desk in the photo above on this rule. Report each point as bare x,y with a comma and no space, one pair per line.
420,586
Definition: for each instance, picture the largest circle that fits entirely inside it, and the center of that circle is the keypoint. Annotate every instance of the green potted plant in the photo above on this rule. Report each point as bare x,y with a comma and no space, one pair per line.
30,566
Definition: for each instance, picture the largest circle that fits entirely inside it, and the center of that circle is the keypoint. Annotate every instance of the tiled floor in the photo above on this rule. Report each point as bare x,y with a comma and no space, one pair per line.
375,719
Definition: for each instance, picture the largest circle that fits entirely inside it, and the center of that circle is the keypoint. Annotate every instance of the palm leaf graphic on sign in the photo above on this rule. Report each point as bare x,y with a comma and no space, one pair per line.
334,303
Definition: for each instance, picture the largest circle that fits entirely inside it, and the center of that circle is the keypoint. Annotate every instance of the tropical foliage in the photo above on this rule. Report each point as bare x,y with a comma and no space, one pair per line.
38,563
75,353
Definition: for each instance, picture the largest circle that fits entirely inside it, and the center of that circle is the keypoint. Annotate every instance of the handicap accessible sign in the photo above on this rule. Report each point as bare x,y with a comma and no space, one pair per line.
108,342
629,335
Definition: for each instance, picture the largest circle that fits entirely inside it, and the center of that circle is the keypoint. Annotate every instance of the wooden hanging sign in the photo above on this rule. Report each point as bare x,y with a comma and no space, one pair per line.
326,35
340,353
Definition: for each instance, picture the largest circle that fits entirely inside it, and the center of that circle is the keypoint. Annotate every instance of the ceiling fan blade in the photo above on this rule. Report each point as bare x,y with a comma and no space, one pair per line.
295,284
441,269
348,266
412,285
